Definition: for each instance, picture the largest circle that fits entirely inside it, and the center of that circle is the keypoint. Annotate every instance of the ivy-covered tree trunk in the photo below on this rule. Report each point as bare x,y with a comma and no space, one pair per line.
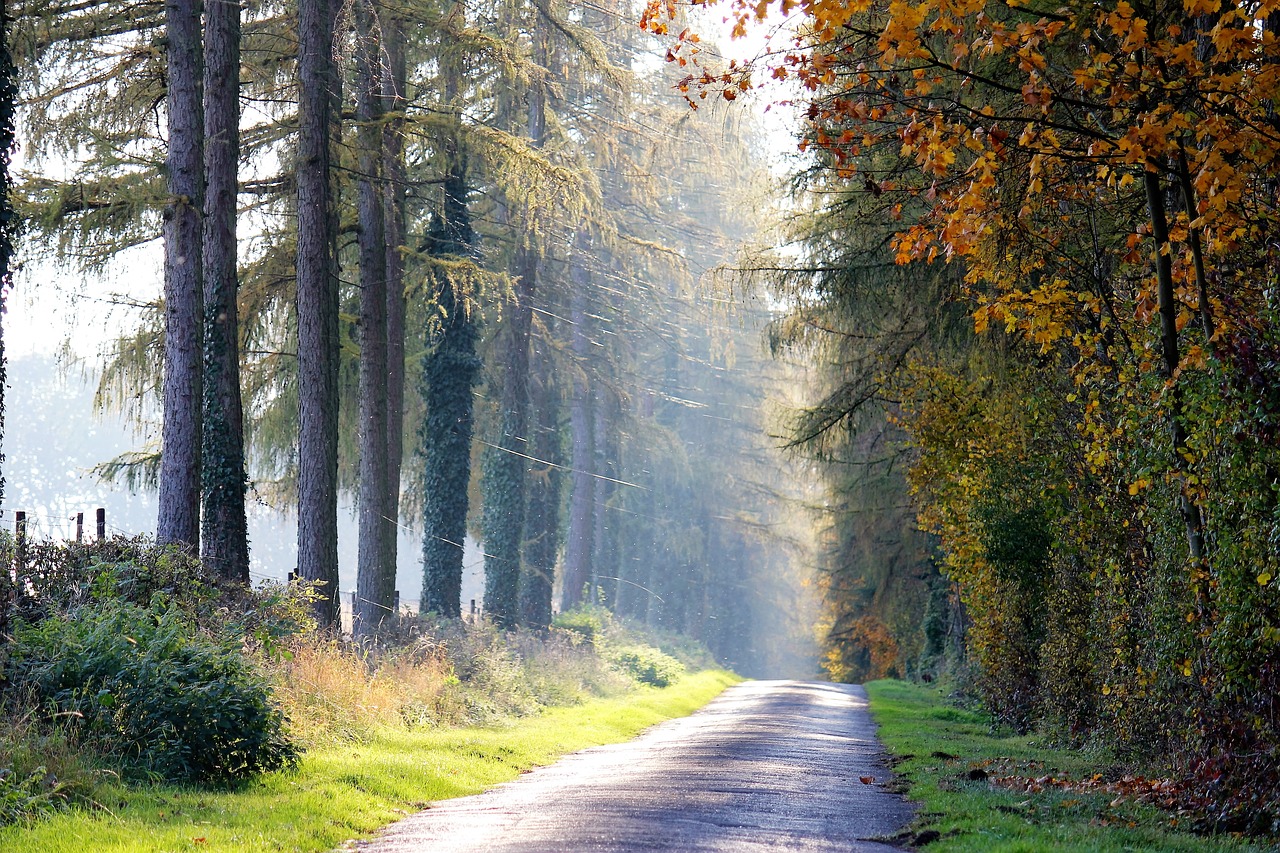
577,558
394,197
542,516
506,462
317,310
179,486
376,574
224,538
449,372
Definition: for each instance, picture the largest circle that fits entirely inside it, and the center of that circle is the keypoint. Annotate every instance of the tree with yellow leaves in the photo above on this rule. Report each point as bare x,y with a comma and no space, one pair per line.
1103,177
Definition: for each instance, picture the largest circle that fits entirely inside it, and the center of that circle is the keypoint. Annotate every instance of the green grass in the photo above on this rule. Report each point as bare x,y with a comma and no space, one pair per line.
345,792
935,748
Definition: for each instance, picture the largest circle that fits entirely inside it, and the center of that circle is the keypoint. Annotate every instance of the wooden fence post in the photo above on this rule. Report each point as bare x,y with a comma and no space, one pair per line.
102,523
20,549
8,581
79,527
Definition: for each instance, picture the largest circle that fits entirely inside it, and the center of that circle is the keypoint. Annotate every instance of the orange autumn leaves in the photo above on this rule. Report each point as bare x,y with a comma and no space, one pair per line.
1006,120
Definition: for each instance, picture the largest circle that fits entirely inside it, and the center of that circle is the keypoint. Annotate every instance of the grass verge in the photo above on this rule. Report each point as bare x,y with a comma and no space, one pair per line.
982,791
341,792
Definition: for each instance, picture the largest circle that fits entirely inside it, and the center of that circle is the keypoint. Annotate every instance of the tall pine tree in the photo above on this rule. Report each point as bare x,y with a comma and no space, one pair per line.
179,493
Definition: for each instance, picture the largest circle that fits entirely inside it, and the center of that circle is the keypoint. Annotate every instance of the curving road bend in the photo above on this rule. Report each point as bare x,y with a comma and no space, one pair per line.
769,765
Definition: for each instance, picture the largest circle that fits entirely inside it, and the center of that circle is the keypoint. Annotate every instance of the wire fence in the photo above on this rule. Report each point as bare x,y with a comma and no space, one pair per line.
45,553
31,526
41,574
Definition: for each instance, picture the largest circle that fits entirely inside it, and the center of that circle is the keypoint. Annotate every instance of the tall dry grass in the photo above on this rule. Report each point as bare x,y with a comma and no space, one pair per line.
445,673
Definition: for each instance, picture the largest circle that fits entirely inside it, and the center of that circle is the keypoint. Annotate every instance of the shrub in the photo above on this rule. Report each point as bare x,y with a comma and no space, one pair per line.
586,625
647,665
61,576
148,688
560,670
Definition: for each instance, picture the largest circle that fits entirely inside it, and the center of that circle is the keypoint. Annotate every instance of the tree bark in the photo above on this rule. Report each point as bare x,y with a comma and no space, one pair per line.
317,310
577,558
224,535
604,569
449,371
542,518
8,107
179,487
506,462
375,573
1167,305
394,197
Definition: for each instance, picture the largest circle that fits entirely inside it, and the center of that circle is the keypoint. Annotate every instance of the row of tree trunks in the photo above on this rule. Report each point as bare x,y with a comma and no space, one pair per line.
202,454
204,475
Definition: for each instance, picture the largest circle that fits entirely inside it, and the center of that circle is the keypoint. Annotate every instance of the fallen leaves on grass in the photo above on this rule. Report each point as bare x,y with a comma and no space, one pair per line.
1164,793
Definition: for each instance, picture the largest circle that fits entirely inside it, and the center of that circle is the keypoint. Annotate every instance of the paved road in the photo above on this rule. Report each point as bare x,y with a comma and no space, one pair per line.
769,765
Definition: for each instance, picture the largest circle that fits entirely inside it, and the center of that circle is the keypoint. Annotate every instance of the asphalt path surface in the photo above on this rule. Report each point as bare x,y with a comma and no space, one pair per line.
769,765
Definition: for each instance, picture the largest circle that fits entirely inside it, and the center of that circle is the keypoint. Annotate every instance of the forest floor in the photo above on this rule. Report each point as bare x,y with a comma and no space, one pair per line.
345,791
987,792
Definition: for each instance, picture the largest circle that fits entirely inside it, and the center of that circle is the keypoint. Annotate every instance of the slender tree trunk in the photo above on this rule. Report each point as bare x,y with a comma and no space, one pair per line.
376,575
179,493
605,533
542,520
627,598
1204,306
1168,308
449,371
224,535
577,558
394,184
655,569
8,107
317,310
600,547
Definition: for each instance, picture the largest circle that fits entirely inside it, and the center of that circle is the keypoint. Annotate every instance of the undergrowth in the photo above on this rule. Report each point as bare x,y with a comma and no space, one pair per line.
134,666
983,788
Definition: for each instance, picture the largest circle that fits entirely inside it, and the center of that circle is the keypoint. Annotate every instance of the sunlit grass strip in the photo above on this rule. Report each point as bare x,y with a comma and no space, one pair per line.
944,753
339,793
